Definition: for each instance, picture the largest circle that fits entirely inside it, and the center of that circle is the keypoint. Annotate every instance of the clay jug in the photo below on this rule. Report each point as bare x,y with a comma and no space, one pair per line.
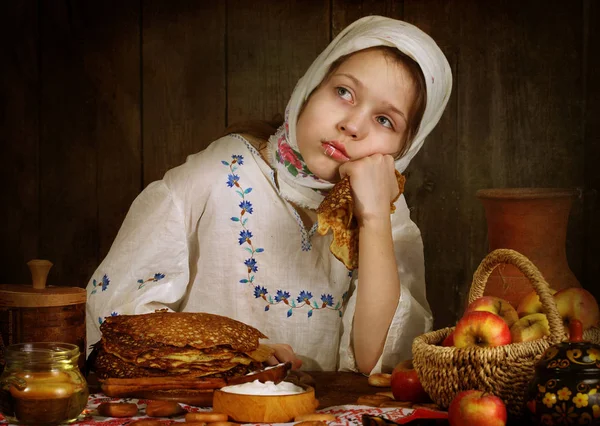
532,221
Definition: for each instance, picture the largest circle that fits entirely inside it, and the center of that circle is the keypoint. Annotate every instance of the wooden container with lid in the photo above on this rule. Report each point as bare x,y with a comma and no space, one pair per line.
41,313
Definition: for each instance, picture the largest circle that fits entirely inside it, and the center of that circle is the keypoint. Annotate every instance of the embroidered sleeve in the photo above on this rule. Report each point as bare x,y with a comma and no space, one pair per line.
147,266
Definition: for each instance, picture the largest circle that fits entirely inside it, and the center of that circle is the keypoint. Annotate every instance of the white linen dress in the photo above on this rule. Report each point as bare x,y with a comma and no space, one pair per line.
214,235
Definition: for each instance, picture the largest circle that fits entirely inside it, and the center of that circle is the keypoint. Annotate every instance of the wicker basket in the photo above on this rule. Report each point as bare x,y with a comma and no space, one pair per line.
504,371
592,335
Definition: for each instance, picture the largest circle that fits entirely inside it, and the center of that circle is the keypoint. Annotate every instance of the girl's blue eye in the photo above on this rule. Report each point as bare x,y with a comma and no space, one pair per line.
384,121
343,93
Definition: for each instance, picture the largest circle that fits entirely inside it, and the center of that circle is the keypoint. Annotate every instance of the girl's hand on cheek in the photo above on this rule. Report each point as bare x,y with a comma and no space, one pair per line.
374,186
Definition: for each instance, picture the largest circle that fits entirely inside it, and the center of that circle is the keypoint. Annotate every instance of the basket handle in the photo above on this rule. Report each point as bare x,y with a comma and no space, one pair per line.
532,273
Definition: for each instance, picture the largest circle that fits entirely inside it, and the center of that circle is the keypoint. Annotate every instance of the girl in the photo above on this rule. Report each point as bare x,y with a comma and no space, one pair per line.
232,231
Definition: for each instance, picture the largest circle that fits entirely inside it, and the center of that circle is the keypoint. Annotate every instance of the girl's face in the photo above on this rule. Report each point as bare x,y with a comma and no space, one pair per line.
360,110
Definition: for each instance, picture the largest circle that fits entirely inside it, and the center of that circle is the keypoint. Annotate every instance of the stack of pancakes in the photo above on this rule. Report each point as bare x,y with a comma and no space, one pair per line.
185,345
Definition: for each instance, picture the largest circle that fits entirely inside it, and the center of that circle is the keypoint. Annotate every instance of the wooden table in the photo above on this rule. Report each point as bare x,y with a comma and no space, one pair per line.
337,388
331,388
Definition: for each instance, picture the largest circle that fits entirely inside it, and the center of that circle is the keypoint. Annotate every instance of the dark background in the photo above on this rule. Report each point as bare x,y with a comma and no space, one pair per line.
100,98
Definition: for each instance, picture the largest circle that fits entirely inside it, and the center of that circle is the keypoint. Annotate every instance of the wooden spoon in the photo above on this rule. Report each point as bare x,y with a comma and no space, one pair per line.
273,374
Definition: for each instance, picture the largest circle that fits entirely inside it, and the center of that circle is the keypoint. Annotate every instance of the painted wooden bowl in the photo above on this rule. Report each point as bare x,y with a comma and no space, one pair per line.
566,386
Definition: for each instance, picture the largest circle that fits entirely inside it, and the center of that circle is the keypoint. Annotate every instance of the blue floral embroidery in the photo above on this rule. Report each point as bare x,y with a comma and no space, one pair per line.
245,236
232,180
103,285
101,320
282,296
157,277
304,299
246,209
246,206
260,291
327,299
251,264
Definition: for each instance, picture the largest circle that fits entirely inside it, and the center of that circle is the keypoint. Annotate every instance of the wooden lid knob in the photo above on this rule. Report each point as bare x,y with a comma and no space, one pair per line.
39,272
39,295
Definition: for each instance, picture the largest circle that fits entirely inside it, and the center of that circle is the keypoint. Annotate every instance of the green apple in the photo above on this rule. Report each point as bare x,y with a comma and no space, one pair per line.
531,304
495,305
530,327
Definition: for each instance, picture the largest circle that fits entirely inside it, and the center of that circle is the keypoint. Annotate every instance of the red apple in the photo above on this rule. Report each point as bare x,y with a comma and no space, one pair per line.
481,328
474,407
496,306
530,327
531,304
406,385
577,303
449,340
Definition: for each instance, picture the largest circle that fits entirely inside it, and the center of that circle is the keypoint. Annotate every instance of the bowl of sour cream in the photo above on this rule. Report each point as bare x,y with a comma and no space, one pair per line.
257,402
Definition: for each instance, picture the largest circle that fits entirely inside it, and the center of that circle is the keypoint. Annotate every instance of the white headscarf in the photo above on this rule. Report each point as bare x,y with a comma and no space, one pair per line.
306,189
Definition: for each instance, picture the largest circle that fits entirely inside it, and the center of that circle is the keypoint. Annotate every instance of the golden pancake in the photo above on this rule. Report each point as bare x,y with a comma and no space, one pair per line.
197,329
336,212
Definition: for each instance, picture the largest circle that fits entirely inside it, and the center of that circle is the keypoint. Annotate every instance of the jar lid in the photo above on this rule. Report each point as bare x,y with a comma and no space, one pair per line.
574,356
22,296
39,295
48,352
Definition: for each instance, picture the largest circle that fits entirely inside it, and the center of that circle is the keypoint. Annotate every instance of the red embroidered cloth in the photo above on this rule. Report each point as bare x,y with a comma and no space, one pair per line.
346,414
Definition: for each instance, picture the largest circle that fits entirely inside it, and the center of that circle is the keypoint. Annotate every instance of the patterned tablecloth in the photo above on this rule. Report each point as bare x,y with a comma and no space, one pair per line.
346,414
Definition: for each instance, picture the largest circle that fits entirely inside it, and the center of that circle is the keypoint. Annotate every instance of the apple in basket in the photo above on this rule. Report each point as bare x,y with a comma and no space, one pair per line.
531,304
577,303
406,385
474,407
449,340
530,327
496,306
481,328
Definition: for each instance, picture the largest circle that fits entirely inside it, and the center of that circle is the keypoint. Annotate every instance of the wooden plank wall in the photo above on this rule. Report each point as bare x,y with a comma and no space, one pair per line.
101,98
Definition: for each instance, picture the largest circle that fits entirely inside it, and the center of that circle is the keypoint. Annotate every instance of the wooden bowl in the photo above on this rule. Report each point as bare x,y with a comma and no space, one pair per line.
265,408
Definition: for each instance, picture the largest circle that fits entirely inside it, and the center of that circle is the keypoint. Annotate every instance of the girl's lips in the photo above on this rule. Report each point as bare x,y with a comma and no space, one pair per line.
335,151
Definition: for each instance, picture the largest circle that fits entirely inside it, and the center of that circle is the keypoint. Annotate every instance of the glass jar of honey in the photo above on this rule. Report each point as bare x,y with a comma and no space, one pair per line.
42,384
